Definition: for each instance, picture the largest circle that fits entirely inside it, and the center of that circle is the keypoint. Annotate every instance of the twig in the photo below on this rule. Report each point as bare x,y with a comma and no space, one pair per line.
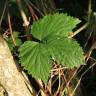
62,68
4,89
81,78
89,17
3,13
31,11
35,8
26,22
27,82
71,78
69,81
87,40
89,9
79,30
10,28
39,82
59,76
90,51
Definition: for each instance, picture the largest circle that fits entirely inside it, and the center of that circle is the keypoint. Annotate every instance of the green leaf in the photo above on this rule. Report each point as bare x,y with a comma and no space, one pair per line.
36,59
56,24
52,43
66,52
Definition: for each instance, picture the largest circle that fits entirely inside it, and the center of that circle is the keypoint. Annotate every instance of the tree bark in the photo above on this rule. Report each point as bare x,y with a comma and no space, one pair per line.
10,78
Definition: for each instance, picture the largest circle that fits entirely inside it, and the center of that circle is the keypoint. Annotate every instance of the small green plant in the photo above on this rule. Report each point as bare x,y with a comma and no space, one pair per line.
52,44
10,41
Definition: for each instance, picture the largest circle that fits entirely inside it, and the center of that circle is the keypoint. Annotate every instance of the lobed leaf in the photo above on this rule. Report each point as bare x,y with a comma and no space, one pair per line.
36,59
52,34
54,24
66,52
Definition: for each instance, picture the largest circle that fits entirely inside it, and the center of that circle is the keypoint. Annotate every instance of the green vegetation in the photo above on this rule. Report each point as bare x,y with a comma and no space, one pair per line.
54,44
